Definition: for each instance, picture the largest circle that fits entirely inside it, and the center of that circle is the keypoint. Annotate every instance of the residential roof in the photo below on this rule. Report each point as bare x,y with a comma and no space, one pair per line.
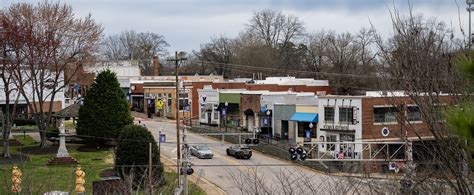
70,111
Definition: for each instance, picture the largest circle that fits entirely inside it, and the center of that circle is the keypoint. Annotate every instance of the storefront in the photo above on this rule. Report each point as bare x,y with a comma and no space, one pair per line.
306,126
340,122
229,107
208,104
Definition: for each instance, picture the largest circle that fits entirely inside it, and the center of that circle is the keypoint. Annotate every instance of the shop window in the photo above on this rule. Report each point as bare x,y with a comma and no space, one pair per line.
329,114
170,105
203,113
183,100
303,126
345,115
216,114
331,146
385,115
413,113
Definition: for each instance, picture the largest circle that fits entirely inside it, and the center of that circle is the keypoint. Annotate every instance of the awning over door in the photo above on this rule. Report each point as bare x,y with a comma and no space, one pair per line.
304,117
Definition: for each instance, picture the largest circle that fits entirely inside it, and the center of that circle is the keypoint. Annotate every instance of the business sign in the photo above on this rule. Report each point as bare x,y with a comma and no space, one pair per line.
385,131
354,115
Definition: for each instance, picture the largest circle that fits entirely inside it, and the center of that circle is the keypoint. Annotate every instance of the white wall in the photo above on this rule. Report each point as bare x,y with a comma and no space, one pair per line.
337,102
28,88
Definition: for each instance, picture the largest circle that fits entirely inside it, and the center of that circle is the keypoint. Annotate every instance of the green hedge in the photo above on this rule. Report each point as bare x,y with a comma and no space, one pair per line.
24,122
52,132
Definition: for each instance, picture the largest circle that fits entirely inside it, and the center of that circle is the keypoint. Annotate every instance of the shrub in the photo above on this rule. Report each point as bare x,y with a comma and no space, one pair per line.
52,131
105,111
132,149
24,122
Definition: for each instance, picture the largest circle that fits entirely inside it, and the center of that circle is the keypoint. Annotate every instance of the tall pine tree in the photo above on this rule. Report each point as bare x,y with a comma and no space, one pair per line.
105,111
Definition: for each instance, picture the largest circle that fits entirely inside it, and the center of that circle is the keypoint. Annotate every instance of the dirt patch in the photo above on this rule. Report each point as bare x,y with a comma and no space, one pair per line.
14,159
40,150
107,173
89,148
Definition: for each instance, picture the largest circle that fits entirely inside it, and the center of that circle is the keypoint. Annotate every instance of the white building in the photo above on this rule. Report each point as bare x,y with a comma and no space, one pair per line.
340,120
208,103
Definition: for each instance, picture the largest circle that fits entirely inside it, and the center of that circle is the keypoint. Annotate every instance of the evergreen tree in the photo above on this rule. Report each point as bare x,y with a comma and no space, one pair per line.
105,111
461,117
131,157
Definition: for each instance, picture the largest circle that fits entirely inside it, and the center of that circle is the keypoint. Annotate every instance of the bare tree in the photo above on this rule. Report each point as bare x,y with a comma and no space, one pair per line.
418,59
130,45
10,61
219,50
53,41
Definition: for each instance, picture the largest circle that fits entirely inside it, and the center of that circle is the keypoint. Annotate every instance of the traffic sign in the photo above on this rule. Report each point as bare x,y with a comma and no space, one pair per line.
340,155
159,104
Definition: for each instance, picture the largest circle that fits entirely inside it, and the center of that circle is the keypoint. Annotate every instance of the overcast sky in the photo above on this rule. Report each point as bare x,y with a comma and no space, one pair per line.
188,23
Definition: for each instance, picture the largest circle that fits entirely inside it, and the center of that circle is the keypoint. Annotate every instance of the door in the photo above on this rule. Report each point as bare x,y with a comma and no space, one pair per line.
209,118
250,123
284,130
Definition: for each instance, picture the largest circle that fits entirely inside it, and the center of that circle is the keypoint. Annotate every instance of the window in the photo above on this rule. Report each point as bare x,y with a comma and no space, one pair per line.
170,104
413,113
345,115
183,100
216,114
303,126
329,114
385,115
203,112
332,146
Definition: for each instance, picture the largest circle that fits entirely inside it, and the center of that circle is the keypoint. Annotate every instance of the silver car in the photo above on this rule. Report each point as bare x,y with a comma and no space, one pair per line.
201,151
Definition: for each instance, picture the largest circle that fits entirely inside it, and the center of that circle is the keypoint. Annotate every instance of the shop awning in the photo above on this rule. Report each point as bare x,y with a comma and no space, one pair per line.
304,117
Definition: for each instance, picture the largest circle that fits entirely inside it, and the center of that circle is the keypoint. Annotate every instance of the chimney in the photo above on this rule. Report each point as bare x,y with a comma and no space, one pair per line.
156,65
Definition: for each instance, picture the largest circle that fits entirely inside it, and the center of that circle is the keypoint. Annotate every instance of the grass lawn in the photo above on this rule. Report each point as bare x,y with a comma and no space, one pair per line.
39,178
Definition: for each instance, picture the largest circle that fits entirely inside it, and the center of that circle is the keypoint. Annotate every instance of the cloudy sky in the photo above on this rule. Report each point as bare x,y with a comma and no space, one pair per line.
188,23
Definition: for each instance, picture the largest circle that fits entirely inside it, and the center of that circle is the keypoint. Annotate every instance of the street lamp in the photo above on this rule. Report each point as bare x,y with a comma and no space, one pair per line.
226,114
311,125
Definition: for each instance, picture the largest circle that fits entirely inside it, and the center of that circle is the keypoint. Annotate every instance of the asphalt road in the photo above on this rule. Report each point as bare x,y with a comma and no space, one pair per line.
260,174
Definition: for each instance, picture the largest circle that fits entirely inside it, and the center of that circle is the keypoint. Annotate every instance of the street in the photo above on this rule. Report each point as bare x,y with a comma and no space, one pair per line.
259,174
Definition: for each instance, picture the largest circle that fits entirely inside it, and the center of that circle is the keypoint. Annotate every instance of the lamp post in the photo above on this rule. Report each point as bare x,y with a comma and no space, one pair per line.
469,9
269,123
226,114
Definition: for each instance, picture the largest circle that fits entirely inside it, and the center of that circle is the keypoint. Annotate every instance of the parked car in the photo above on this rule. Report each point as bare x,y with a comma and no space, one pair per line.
239,152
201,151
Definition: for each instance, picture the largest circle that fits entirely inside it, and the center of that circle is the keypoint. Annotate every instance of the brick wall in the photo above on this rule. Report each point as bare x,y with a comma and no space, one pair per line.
372,130
249,101
57,106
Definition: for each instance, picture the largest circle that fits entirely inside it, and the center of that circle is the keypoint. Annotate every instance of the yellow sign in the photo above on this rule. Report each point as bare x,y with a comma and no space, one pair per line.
159,104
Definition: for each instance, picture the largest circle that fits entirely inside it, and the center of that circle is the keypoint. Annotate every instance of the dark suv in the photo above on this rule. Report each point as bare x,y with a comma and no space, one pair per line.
239,152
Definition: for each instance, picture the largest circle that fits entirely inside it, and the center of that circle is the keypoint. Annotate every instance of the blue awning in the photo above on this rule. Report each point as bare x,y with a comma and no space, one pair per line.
304,117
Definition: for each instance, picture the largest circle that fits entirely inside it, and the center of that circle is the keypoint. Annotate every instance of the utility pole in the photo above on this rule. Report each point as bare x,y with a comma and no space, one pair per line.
178,143
150,167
